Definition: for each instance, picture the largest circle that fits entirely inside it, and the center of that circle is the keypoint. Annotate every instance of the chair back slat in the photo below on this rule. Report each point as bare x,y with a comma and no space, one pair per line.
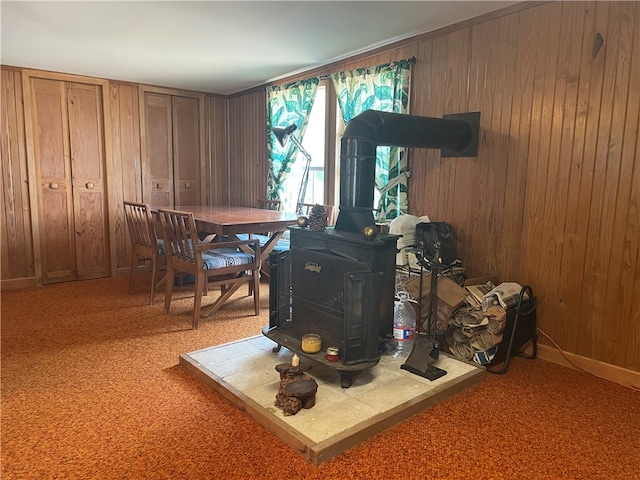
181,239
140,224
268,204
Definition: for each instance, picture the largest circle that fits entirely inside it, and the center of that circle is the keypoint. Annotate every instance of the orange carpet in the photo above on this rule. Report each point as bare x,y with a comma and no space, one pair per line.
91,390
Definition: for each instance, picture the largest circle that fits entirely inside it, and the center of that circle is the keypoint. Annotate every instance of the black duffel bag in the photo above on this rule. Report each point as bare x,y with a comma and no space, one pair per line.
428,234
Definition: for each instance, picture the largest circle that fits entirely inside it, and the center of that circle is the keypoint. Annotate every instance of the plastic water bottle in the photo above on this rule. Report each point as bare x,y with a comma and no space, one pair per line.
404,325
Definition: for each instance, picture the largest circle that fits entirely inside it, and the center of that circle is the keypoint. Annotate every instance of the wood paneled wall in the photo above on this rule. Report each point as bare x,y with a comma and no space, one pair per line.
126,174
247,148
127,184
217,147
553,198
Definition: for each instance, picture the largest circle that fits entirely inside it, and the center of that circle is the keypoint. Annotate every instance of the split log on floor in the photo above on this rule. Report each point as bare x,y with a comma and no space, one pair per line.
305,390
297,390
297,395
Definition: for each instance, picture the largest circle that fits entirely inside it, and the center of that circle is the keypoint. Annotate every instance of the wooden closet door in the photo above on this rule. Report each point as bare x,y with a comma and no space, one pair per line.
84,105
186,151
16,237
51,151
159,150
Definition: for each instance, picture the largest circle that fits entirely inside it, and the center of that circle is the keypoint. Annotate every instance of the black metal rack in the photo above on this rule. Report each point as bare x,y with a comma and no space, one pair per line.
520,329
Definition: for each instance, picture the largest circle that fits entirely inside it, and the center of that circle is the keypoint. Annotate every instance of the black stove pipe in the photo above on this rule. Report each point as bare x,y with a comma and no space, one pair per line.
363,134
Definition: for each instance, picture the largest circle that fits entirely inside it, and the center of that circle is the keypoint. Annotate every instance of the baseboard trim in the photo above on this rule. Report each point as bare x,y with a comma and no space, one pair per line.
607,371
18,283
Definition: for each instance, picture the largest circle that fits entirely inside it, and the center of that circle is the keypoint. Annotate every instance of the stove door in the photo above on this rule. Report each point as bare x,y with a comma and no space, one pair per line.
361,333
318,282
279,288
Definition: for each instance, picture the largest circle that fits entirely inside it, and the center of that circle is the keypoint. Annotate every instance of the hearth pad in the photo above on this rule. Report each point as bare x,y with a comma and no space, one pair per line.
382,396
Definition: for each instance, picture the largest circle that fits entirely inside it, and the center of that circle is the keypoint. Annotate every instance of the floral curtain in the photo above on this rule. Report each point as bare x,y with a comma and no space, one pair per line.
384,88
286,104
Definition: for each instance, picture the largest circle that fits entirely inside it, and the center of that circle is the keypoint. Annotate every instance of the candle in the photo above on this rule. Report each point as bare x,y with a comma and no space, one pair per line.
311,343
295,361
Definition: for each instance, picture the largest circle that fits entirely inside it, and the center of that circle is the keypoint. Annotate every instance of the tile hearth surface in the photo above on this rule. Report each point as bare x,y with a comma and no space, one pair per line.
379,397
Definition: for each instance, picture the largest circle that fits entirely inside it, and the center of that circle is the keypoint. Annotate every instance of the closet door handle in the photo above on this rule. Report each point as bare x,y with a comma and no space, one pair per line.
90,185
53,186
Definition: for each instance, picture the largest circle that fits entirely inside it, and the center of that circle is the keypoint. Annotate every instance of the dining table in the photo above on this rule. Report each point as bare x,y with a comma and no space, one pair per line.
220,221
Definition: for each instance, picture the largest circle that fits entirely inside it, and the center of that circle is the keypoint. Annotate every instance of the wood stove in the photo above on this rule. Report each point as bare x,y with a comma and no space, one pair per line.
338,283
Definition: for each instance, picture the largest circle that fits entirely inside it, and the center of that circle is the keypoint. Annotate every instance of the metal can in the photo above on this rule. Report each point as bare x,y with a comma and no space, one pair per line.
333,354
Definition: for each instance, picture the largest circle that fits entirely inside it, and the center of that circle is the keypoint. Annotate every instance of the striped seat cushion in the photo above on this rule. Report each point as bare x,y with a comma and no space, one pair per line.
225,257
219,257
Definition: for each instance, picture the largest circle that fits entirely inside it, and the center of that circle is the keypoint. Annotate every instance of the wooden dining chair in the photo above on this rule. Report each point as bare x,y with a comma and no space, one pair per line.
145,245
306,210
268,204
265,204
222,264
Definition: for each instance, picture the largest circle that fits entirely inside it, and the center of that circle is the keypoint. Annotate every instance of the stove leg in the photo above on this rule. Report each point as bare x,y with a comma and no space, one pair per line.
276,349
347,378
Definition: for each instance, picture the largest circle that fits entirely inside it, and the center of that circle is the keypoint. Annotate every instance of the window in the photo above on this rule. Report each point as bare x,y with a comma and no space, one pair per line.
314,142
384,88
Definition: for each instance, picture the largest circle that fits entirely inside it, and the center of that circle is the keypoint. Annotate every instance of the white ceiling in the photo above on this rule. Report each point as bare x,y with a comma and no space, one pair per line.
211,46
